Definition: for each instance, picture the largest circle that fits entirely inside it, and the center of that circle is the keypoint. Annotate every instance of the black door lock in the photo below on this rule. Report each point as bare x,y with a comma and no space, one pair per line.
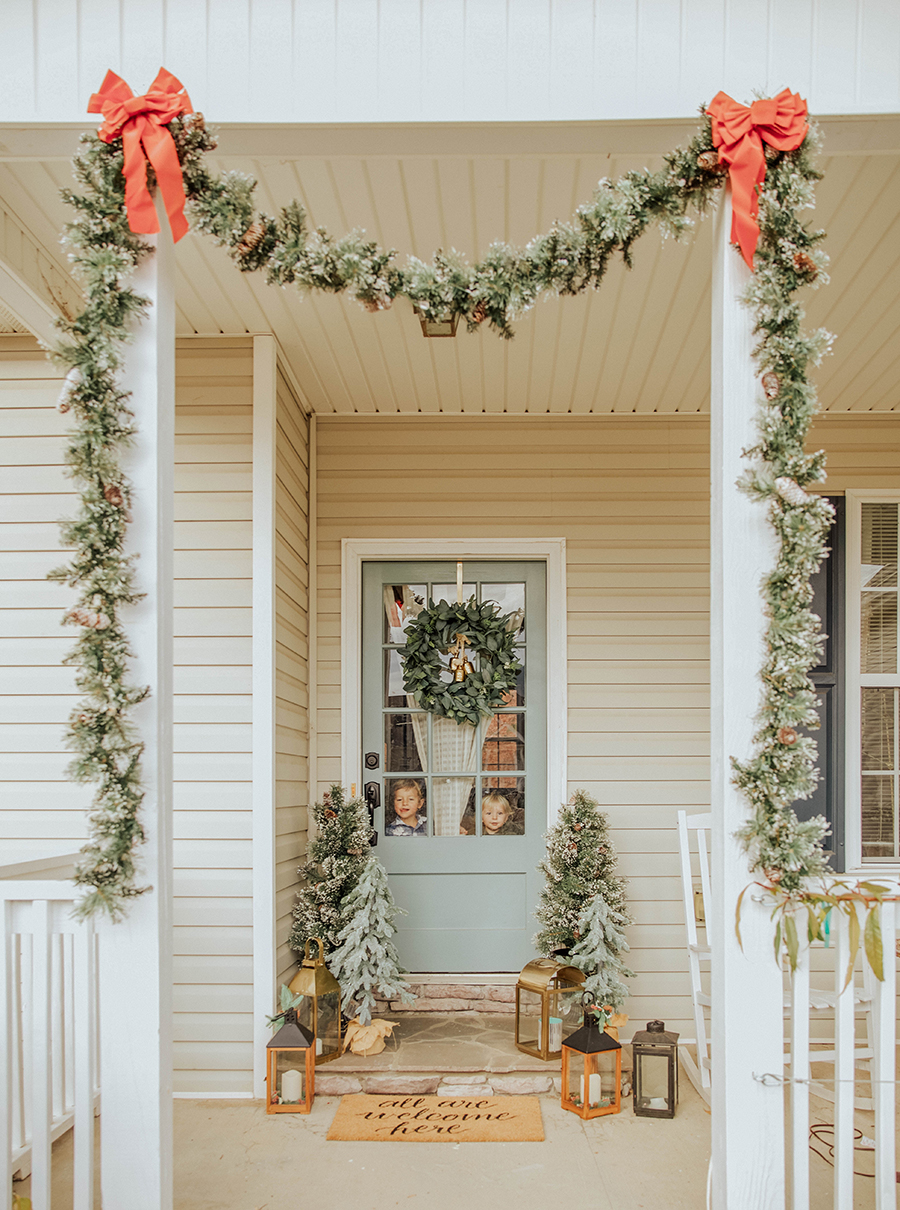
373,802
371,760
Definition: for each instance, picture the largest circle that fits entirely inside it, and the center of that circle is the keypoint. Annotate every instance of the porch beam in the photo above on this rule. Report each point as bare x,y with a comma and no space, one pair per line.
746,1027
136,954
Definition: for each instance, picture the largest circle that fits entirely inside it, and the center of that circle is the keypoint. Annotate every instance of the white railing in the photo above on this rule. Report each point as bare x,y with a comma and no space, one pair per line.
849,1069
48,1030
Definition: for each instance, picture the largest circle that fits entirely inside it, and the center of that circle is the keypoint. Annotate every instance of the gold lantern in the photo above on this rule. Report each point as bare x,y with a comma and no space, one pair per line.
591,1069
547,1006
320,1009
290,1068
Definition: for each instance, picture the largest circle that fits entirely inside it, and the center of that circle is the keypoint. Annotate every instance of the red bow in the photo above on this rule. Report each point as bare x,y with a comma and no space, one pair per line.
738,133
142,122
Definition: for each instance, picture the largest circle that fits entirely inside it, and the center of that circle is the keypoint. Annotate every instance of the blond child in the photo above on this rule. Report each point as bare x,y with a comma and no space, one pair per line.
408,803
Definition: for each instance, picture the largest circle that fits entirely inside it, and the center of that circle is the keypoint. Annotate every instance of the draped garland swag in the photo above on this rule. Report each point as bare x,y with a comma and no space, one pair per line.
768,151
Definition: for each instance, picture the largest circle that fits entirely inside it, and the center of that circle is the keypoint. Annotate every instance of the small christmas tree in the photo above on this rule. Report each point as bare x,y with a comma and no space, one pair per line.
597,953
580,865
336,861
366,960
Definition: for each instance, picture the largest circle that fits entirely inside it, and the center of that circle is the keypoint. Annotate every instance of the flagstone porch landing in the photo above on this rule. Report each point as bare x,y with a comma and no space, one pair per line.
435,1052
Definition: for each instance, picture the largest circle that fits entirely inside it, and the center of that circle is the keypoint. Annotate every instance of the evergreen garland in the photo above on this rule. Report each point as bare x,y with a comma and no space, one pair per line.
568,259
337,858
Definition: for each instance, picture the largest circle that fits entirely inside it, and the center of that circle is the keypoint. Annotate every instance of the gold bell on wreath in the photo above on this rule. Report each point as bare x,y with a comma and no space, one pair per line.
320,1009
458,662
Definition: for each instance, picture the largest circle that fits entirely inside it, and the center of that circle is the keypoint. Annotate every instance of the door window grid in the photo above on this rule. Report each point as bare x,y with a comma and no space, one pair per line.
879,719
480,769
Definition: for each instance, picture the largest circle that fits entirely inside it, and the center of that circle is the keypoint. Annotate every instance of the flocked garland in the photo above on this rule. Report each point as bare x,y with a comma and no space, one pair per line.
568,259
430,636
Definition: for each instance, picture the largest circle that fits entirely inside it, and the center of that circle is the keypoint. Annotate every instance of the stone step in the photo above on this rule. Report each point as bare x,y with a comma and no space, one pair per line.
333,1084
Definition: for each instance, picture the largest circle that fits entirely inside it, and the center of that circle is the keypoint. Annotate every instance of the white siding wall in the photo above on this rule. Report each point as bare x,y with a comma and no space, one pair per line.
291,659
39,809
401,60
631,497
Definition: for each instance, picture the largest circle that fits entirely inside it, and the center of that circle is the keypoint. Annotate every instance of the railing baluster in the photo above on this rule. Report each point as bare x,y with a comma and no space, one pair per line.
57,1039
85,983
8,1003
844,1067
41,1079
799,1071
883,1067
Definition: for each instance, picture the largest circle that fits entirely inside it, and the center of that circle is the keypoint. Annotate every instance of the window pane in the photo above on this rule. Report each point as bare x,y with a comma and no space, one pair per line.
878,729
879,631
405,807
879,545
454,748
447,592
406,742
516,696
504,743
511,599
401,604
502,806
451,796
877,817
393,680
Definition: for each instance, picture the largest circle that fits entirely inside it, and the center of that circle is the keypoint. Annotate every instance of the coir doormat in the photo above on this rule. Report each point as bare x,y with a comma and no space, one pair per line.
398,1119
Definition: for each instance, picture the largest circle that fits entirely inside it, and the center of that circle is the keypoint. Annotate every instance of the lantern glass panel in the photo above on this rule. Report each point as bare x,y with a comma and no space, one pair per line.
529,1018
565,1008
290,1076
654,1081
328,1030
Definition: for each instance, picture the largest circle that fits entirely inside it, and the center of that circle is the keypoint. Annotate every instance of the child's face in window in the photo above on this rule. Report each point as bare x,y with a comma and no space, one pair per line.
494,814
407,804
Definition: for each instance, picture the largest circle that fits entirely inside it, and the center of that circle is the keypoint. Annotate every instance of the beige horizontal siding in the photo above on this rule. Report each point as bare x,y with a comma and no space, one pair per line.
631,497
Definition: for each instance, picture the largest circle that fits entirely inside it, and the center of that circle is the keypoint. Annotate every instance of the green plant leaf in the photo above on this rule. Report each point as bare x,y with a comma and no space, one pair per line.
873,943
778,942
737,917
854,942
791,941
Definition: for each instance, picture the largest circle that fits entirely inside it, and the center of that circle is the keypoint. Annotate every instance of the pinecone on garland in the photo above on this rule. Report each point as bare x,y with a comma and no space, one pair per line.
771,384
790,491
88,618
479,312
194,121
708,161
805,266
113,495
251,239
787,736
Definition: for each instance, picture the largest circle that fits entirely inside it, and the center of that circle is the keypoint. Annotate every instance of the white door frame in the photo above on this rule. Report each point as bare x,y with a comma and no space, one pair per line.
552,551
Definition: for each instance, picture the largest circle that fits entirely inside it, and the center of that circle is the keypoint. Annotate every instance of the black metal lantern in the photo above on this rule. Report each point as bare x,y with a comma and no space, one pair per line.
547,1006
591,1069
320,1009
655,1071
290,1068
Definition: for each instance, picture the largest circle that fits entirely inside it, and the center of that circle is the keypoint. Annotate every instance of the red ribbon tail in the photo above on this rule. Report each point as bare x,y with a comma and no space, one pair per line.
139,206
160,147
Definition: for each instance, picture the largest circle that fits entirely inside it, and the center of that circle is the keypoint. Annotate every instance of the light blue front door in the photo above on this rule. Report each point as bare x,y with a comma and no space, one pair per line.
461,812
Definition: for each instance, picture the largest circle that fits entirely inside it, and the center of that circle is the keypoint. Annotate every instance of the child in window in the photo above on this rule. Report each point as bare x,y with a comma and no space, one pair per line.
408,803
496,816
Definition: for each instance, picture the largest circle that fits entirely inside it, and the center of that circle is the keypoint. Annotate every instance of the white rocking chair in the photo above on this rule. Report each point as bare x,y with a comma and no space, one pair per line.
699,956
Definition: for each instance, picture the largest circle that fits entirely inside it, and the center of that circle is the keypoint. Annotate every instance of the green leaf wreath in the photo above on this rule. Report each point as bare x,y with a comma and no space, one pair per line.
429,638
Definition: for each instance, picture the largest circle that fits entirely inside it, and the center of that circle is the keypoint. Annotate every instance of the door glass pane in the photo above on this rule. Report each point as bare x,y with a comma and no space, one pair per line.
879,545
393,680
878,809
511,599
405,807
502,806
878,729
516,697
402,602
450,797
504,743
447,592
454,748
879,631
406,742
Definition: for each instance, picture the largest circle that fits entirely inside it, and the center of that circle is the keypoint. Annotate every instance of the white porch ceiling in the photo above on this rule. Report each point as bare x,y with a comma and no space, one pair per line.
639,345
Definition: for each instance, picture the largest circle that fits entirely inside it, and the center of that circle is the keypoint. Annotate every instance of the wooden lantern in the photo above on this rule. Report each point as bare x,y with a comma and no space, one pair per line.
547,1006
290,1068
591,1070
320,1009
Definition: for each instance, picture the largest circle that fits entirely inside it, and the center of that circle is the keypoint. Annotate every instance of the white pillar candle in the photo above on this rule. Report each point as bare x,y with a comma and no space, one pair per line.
291,1085
319,1046
593,1089
555,1033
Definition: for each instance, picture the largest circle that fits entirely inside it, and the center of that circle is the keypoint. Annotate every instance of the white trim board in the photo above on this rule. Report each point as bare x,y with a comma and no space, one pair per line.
552,551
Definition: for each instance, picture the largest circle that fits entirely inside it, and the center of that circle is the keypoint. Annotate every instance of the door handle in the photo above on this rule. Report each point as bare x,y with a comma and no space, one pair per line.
373,802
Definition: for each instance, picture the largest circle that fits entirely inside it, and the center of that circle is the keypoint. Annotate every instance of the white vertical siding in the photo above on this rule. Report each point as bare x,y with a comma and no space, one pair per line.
291,659
631,497
399,60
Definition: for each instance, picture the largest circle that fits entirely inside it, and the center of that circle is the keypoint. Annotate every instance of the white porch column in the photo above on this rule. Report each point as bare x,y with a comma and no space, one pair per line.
747,1116
136,955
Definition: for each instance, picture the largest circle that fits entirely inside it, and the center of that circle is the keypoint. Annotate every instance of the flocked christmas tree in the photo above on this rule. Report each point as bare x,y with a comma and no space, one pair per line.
598,951
337,858
366,961
583,900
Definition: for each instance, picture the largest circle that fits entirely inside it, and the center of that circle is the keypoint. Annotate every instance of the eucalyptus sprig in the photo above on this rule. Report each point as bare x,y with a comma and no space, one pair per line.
287,1002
